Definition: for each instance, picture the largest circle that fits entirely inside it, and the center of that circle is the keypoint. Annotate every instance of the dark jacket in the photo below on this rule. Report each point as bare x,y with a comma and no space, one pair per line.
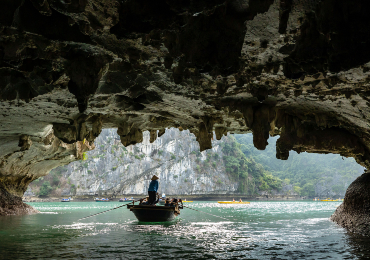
153,186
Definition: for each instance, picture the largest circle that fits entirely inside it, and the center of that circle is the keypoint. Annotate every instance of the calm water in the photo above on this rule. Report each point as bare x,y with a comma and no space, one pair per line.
260,230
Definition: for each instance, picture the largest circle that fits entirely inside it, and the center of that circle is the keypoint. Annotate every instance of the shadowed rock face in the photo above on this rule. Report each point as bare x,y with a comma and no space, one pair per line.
274,67
354,213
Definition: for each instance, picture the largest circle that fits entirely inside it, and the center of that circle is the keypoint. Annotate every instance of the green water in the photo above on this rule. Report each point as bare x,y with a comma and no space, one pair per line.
260,230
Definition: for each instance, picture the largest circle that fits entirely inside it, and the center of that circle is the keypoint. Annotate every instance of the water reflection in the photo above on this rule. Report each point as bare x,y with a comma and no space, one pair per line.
261,230
360,245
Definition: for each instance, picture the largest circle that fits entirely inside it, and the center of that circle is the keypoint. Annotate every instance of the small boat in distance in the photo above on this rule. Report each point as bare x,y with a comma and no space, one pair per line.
125,200
328,199
101,200
232,202
187,201
66,200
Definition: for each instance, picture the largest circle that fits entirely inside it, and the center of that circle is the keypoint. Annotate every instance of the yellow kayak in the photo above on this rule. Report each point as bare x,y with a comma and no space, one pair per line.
188,201
329,200
233,202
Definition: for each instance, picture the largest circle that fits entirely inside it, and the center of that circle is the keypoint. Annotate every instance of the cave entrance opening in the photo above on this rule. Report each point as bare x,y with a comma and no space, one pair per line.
232,166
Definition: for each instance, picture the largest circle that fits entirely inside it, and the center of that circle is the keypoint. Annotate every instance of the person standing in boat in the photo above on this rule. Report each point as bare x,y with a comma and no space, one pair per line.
153,188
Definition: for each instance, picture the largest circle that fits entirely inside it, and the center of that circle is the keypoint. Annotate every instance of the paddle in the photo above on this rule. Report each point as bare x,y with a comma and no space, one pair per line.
206,213
106,211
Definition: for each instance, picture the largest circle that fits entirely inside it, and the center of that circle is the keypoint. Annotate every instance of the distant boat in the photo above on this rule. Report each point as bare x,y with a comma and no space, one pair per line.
233,202
66,200
328,199
187,201
125,200
101,200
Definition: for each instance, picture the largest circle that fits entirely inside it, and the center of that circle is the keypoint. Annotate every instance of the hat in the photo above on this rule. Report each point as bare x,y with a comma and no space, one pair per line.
155,177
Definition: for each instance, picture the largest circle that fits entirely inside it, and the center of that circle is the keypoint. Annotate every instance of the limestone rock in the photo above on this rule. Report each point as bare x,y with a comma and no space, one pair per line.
65,132
354,213
24,142
133,137
13,205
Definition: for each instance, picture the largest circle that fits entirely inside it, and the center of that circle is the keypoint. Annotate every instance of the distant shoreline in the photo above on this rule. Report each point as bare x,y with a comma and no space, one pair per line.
208,197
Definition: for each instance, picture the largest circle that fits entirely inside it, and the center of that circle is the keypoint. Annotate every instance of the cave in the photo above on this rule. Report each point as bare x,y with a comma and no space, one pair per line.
69,69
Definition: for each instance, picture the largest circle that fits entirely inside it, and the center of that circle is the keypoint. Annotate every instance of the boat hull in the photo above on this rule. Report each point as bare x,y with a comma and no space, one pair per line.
232,202
146,213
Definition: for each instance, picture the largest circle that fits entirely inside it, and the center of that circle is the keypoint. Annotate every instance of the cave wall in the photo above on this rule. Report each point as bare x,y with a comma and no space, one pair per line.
297,68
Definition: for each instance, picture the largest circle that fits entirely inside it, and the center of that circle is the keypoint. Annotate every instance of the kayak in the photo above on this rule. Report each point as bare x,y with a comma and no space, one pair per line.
233,202
328,199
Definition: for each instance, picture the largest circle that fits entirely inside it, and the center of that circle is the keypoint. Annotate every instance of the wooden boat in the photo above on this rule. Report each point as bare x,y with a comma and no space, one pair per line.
233,202
150,213
65,200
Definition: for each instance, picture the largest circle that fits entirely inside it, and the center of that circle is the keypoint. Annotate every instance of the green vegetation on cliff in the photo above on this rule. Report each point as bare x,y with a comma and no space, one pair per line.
252,176
310,174
50,183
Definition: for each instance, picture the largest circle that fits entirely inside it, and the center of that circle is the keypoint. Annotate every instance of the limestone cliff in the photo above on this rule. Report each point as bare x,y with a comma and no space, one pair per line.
174,157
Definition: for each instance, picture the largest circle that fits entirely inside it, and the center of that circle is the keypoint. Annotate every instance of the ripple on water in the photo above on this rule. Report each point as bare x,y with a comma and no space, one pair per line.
260,230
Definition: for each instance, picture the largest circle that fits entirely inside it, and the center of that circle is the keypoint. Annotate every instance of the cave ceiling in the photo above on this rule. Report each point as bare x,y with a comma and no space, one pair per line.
295,68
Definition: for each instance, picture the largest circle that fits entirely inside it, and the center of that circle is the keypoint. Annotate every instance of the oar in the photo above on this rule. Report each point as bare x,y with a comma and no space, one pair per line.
106,211
206,213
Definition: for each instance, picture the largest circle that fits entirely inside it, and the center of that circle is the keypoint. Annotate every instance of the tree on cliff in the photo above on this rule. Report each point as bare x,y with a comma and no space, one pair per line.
309,173
252,176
